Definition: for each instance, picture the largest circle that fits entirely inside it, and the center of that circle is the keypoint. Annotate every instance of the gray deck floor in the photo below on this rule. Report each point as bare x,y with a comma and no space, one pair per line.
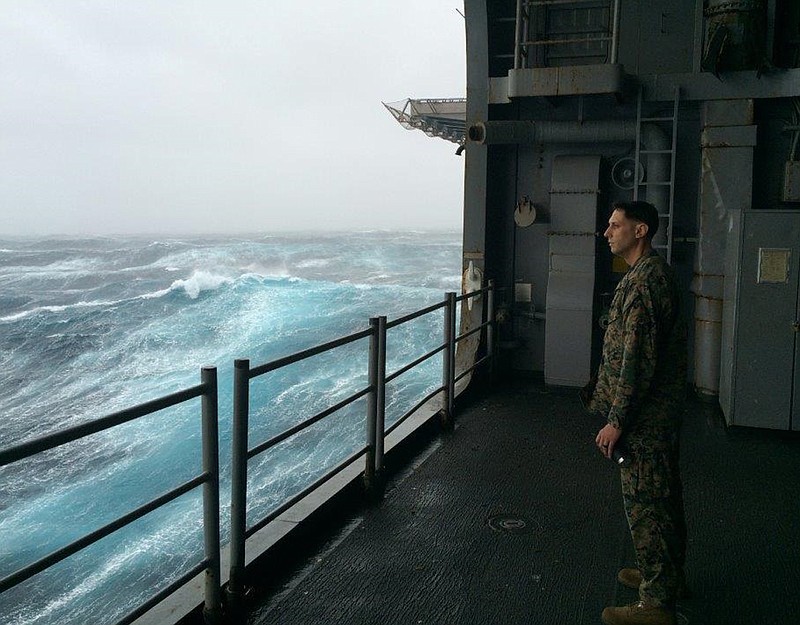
437,550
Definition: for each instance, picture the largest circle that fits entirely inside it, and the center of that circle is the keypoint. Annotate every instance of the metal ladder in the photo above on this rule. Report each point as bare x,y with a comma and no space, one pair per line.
668,215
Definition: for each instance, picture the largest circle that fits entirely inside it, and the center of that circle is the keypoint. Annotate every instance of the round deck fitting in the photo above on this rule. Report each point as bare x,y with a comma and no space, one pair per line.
509,524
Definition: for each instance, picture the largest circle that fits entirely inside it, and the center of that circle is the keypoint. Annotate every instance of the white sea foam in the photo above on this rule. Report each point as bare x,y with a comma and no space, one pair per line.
55,309
313,263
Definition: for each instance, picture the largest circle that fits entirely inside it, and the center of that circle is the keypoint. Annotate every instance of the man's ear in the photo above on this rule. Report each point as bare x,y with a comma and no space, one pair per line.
641,230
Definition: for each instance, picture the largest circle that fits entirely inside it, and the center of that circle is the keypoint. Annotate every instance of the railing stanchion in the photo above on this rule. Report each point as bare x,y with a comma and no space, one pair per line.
449,360
381,397
241,409
490,329
372,408
212,610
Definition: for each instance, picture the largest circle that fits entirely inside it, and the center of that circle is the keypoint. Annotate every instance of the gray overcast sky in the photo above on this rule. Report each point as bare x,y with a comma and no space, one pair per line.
160,116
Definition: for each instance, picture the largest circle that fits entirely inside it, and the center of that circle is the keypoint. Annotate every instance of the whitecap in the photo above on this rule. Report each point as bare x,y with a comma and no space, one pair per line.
200,281
54,309
313,263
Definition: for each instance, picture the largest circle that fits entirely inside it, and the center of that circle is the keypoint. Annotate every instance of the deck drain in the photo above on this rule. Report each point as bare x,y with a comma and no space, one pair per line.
510,524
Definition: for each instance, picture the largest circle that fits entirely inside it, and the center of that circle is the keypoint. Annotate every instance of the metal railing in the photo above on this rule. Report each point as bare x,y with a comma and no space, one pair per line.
525,42
376,431
372,450
209,479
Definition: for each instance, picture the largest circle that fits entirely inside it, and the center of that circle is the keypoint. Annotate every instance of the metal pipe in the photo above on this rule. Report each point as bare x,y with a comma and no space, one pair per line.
241,408
518,38
589,132
615,33
212,610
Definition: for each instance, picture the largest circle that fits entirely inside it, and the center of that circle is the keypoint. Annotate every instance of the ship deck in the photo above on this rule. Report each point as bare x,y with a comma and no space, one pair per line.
513,517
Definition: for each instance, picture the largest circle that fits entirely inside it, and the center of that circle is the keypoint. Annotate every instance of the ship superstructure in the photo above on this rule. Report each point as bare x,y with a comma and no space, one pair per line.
690,105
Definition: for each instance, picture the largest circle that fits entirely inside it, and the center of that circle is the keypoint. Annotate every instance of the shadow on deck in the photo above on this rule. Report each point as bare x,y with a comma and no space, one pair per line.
514,518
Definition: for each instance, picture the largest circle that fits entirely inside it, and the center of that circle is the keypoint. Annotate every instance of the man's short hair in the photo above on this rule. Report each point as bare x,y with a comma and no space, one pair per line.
643,212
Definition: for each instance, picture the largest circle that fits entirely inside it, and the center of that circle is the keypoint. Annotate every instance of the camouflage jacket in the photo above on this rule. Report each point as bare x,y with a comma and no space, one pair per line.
641,379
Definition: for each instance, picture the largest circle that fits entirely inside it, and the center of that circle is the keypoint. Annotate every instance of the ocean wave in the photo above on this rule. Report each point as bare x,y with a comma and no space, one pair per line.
197,283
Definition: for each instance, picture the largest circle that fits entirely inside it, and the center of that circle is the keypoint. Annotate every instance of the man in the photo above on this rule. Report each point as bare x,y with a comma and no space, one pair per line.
640,388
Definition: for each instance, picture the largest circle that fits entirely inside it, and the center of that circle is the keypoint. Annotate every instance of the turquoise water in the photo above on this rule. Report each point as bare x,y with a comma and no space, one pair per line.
90,326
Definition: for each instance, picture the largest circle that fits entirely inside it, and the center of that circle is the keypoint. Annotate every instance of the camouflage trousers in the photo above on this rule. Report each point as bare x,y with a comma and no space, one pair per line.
653,496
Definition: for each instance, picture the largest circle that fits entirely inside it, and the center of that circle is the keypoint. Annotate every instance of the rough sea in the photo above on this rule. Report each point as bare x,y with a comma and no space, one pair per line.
89,326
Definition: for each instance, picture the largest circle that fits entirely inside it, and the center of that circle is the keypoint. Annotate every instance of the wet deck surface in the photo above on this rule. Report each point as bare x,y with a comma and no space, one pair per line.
514,518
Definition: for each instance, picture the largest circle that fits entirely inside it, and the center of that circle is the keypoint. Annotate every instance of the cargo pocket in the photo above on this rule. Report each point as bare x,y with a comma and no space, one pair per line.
648,476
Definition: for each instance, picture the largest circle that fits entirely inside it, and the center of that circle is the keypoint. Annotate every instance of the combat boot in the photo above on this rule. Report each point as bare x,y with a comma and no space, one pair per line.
633,577
638,613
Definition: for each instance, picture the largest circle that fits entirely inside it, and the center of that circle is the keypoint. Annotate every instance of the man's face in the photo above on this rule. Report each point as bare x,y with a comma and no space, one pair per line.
621,233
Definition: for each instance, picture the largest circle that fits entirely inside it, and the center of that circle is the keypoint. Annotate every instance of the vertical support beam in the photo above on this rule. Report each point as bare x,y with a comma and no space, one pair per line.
476,162
490,328
449,360
212,609
518,38
727,144
241,409
614,33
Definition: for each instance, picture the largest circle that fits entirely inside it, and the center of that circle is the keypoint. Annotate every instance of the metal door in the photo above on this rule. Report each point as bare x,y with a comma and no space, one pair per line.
767,358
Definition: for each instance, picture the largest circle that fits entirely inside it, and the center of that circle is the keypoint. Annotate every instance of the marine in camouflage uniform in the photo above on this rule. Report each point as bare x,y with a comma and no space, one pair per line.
640,388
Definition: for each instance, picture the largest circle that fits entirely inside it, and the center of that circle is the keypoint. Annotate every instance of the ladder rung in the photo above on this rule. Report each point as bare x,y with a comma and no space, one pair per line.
655,184
665,215
657,119
660,247
540,3
656,151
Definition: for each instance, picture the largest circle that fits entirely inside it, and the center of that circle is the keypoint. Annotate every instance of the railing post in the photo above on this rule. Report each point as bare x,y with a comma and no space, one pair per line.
490,329
241,409
212,610
372,408
449,360
380,416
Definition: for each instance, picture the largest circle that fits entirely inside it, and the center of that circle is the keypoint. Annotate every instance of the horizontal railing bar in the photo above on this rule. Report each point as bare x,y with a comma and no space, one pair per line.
163,594
298,496
577,55
472,368
57,556
416,407
598,4
278,438
469,333
413,364
554,42
471,294
306,353
50,441
414,315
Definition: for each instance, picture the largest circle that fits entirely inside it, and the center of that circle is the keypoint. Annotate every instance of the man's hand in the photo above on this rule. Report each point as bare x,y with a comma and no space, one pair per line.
606,439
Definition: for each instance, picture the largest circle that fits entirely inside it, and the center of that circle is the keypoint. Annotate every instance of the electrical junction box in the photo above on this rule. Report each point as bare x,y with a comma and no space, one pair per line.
791,182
